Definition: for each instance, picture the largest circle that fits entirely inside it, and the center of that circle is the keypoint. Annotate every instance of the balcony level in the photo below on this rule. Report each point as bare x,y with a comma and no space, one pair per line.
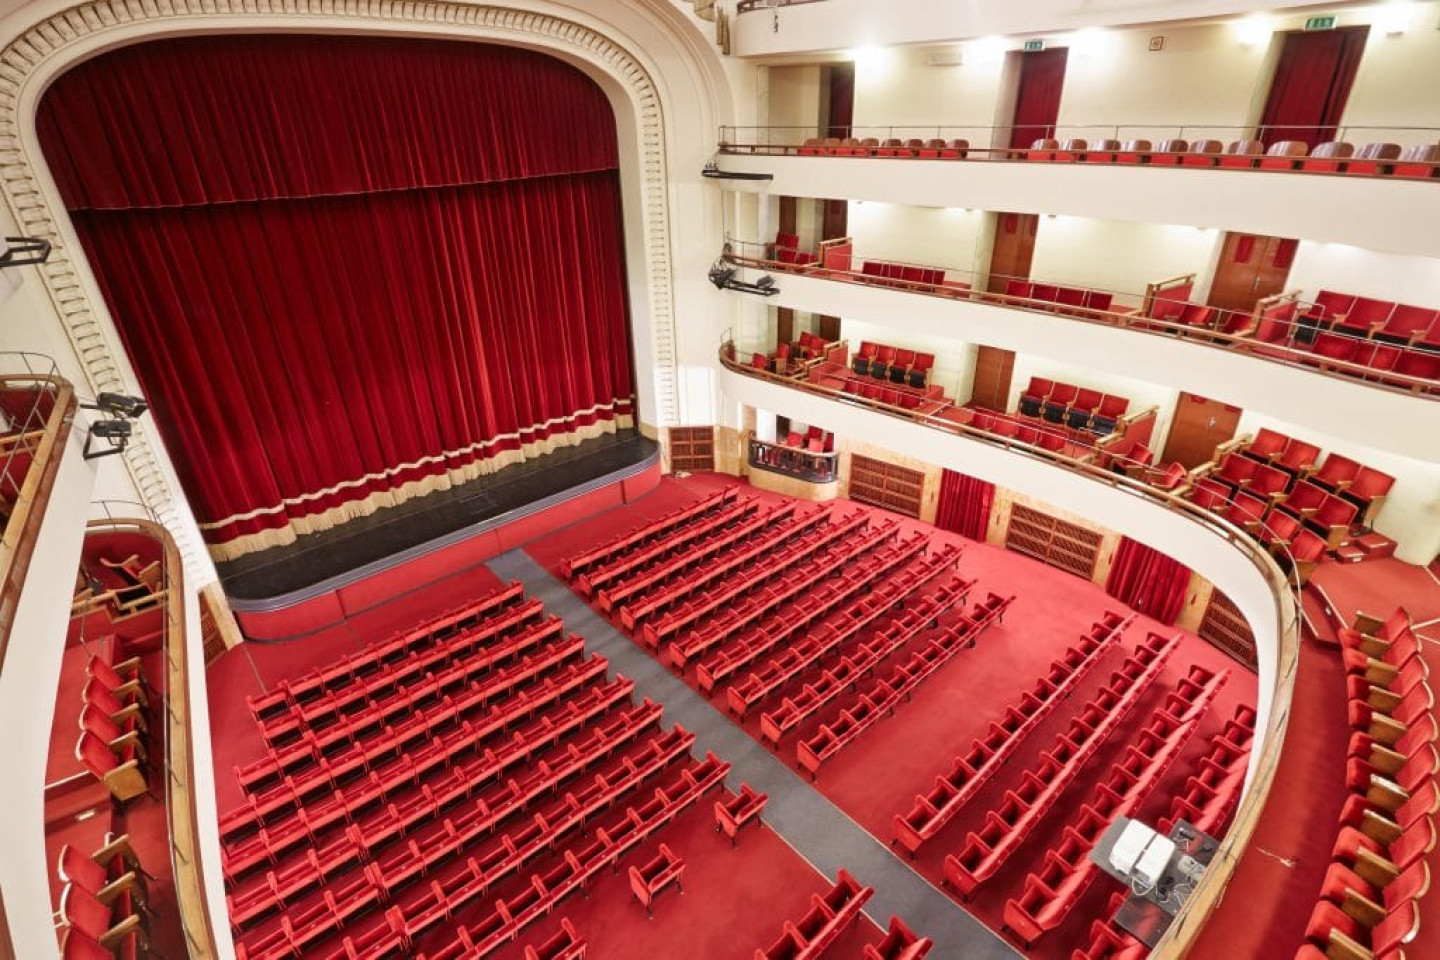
1377,213
1384,418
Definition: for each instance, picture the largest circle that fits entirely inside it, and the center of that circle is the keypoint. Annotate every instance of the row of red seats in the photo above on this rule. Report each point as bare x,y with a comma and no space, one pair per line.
1422,363
886,693
1023,808
1061,441
1372,893
829,916
899,943
1049,894
891,396
791,527
287,775
349,669
563,944
324,804
868,597
104,902
1374,159
1078,408
970,771
1107,942
578,865
1401,324
571,567
1211,795
624,565
931,149
813,439
1078,301
737,574
813,607
832,683
762,603
686,555
897,364
303,926
787,250
489,777
114,740
841,628
515,632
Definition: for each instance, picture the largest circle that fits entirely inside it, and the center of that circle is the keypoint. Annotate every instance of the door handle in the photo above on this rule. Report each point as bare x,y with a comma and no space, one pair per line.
1255,286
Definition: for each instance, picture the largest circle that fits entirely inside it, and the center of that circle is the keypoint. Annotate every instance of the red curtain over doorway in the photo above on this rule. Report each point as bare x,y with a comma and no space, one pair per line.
1312,84
1148,581
349,271
964,505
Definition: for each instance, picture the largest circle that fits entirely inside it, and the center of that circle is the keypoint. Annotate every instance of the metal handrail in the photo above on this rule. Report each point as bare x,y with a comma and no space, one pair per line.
1130,318
731,136
798,462
182,815
1284,587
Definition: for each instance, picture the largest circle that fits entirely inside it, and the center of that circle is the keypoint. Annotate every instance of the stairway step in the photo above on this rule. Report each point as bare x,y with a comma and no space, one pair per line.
1376,545
1318,617
1349,553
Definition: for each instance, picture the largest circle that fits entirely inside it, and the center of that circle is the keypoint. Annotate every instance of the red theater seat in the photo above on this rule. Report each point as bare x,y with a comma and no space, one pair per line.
1242,154
1419,162
1169,152
1283,155
1134,151
1202,153
1373,158
1101,151
1328,157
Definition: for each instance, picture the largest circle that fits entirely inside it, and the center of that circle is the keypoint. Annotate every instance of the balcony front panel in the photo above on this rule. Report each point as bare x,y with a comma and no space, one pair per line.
1375,213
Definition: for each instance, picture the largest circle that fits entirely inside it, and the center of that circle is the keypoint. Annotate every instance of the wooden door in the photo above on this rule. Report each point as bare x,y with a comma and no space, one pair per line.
840,99
1251,268
835,222
1014,249
1200,425
789,215
993,368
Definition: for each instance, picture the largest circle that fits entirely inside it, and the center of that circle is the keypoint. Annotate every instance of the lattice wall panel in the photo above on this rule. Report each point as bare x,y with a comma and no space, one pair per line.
692,449
1226,628
886,485
1061,544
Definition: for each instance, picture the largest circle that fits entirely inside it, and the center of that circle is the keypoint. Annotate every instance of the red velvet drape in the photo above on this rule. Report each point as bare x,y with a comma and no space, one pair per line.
1148,581
964,505
1312,82
1037,100
327,326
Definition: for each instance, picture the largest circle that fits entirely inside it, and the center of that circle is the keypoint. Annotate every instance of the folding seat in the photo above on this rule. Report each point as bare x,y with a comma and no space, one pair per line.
1335,473
126,680
650,878
1393,923
932,148
1299,458
1241,154
1305,552
1196,315
860,363
1266,445
984,420
1247,511
900,369
1210,494
1022,289
126,780
1328,157
1171,477
1335,347
1333,519
1420,161
125,742
1269,483
793,439
1359,813
1406,324
1005,427
1203,153
811,147
1326,308
1365,316
1105,420
1170,152
1078,417
920,370
1048,292
787,241
913,276
1369,489
851,147
1278,529
909,401
1134,151
1099,301
1101,151
759,361
80,910
1043,149
1072,297
1235,471
912,147
880,366
891,147
94,877
1373,158
957,149
1420,364
1059,402
1071,151
1283,155
1032,398
1053,442
1028,434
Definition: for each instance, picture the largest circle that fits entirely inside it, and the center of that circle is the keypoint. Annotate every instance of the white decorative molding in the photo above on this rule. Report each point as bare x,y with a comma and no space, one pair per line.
30,61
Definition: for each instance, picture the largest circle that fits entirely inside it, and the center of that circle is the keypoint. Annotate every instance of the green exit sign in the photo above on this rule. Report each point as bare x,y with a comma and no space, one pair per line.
1320,23
1032,45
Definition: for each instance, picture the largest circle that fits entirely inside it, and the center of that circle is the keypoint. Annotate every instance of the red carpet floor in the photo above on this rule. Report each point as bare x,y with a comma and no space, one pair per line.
878,775
1379,586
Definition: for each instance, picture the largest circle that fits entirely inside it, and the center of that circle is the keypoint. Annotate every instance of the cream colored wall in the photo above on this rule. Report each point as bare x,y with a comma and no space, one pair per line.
1202,77
1411,514
954,369
1346,269
898,87
932,236
1116,255
1398,76
790,96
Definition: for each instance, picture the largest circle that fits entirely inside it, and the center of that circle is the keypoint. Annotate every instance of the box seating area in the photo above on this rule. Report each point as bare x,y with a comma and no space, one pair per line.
104,908
1050,893
1077,301
895,364
970,771
830,915
814,440
1026,806
1053,438
1078,408
1280,490
443,769
1376,891
885,694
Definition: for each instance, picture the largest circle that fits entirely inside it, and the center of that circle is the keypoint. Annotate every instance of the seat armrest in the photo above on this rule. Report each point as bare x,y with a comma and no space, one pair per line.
1374,869
1341,947
1379,828
1363,910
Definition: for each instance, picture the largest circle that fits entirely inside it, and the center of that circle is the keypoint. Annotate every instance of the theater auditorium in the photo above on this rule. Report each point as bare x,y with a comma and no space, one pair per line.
714,479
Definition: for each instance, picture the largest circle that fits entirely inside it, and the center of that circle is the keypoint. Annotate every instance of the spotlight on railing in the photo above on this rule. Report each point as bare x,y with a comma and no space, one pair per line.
724,277
23,251
116,429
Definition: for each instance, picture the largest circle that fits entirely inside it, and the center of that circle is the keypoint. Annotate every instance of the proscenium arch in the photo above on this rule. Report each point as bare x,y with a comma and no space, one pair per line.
33,59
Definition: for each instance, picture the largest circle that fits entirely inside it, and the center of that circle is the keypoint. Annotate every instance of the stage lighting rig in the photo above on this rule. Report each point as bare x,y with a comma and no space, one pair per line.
23,251
724,277
117,427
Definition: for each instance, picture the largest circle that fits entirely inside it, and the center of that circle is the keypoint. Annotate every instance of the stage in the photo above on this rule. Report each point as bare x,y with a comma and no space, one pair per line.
323,578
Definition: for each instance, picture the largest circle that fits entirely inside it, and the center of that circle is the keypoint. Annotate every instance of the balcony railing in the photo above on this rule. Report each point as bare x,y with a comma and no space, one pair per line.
37,408
1283,586
797,462
1270,332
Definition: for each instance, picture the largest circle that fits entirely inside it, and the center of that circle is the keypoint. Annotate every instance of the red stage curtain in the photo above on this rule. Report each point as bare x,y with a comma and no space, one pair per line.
1037,101
1312,82
1148,581
311,358
964,506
